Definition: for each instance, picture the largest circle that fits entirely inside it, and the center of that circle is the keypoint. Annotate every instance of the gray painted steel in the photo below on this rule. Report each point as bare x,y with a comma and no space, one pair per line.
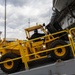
61,4
2,73
58,68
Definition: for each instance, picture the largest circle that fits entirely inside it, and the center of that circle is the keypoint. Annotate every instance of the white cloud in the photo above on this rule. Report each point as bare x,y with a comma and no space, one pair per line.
18,13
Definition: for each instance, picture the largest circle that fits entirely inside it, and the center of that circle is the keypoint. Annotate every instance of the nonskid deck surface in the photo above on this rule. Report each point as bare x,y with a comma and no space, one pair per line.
58,68
2,73
44,66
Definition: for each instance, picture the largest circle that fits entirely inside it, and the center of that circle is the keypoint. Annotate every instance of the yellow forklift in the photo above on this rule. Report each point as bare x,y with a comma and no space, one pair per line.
35,47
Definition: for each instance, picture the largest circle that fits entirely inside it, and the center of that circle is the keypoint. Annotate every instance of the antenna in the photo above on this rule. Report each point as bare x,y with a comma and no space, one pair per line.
0,35
5,22
36,24
29,22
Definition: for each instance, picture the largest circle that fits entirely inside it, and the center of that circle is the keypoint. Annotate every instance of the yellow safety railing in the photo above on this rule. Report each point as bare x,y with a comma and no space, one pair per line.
23,56
68,31
71,39
49,35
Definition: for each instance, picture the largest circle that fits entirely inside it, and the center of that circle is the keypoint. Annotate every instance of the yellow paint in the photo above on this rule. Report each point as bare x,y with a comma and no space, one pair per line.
30,50
60,53
8,65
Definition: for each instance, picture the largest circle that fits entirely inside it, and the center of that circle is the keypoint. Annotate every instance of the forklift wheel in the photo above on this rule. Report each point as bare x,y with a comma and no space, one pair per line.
61,53
9,67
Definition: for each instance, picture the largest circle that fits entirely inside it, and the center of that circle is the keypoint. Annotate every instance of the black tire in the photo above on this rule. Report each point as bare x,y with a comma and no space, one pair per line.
64,52
14,64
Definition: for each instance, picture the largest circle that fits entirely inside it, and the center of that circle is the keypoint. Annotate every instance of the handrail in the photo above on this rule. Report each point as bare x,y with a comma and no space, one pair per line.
22,51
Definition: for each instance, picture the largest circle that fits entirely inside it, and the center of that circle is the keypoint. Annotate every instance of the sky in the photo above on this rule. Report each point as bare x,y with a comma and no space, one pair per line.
20,12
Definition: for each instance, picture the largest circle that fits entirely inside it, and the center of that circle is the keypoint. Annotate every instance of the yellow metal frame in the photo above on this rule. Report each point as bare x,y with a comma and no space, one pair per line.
27,30
25,56
72,40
